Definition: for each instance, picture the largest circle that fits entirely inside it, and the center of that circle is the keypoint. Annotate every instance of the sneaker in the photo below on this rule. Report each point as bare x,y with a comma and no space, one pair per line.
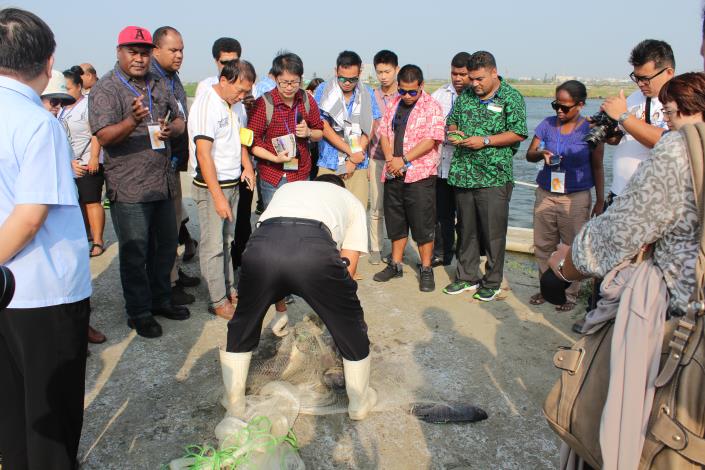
106,203
390,272
426,281
185,280
146,327
459,286
190,249
180,297
486,294
375,257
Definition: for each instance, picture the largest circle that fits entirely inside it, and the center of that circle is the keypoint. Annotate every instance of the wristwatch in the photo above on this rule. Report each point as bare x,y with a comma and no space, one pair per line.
403,158
623,117
486,141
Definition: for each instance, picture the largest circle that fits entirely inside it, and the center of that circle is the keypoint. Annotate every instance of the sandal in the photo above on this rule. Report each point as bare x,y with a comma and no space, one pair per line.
566,307
537,299
93,247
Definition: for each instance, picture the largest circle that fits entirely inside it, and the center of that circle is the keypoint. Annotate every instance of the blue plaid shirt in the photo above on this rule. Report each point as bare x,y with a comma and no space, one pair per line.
327,154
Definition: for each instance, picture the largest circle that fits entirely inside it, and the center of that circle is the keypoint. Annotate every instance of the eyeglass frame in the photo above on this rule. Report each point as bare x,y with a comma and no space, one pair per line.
556,106
352,80
646,80
289,83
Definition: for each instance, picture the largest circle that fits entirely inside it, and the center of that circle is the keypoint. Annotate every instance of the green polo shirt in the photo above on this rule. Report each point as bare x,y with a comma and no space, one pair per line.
489,166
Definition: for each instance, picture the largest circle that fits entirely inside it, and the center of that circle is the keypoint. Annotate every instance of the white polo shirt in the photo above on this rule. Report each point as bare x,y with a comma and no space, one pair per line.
213,119
630,153
207,83
336,207
75,121
35,168
445,96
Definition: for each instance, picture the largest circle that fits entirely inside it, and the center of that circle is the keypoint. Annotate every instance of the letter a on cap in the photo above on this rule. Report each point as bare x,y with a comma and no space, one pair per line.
139,35
135,35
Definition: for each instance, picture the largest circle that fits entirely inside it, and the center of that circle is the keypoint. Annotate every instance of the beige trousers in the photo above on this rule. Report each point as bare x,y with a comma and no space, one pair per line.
557,219
376,205
358,184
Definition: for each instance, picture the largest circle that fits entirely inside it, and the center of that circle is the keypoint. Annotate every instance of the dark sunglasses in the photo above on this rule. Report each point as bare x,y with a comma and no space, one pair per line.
645,80
348,79
403,92
556,106
226,62
54,102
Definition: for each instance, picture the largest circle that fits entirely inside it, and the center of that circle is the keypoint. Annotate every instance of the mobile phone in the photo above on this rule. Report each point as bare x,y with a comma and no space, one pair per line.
455,135
554,160
167,118
249,184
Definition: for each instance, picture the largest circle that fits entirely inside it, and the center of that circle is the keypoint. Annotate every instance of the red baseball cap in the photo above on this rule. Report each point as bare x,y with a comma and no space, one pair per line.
135,35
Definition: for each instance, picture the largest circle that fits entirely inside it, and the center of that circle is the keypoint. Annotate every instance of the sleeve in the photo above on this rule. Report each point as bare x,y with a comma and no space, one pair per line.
50,152
540,130
385,123
104,108
202,124
356,232
646,211
258,123
314,114
376,113
516,115
436,130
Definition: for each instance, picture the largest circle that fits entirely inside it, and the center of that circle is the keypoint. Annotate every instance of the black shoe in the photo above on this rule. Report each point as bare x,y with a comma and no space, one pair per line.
146,327
390,272
426,281
437,261
185,280
181,297
172,312
190,249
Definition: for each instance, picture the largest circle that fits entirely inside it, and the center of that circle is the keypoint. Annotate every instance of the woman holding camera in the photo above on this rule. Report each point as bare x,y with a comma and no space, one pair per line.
571,168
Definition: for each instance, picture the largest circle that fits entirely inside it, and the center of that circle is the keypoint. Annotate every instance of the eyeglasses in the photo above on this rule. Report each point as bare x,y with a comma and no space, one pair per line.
289,83
348,79
226,62
646,80
556,106
403,92
669,112
54,102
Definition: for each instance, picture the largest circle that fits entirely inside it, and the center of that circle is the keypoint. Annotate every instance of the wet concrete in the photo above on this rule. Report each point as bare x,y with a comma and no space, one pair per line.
147,399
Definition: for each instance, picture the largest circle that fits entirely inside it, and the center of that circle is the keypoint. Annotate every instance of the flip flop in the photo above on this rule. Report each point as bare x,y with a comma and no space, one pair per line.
537,299
566,307
96,245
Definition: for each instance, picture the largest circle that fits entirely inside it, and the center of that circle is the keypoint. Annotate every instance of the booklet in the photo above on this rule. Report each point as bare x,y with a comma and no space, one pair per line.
287,143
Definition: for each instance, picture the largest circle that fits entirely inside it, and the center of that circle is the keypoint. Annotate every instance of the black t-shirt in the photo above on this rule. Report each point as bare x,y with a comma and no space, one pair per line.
401,116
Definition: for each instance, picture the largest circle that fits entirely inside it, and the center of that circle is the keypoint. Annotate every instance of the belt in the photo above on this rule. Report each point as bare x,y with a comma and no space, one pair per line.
296,221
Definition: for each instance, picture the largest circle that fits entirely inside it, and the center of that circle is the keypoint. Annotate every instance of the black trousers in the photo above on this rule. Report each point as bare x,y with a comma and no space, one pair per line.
43,370
445,225
285,258
243,226
483,215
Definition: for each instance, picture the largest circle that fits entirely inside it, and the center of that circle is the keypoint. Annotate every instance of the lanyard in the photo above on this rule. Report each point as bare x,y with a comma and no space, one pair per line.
296,118
63,111
137,93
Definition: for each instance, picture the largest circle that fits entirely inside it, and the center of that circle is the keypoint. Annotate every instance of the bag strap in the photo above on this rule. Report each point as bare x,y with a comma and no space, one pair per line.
694,136
269,105
668,431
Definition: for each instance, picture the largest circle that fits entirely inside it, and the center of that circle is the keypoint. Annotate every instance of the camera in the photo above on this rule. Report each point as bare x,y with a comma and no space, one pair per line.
603,127
7,286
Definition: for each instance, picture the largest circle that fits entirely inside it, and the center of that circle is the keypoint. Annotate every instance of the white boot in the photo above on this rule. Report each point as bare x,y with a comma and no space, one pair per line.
234,367
279,324
361,397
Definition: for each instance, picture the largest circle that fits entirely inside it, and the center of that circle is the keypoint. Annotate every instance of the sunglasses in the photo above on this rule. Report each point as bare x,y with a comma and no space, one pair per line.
54,102
645,80
556,106
403,92
348,79
226,62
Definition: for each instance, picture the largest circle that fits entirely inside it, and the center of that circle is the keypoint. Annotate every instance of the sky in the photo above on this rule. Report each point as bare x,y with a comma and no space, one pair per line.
528,38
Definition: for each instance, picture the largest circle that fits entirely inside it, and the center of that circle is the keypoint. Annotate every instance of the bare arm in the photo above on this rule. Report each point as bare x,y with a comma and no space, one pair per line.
19,228
505,139
335,140
353,256
646,134
420,149
264,154
111,135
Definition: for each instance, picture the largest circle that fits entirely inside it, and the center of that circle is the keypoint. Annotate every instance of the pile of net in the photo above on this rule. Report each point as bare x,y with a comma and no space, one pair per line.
300,373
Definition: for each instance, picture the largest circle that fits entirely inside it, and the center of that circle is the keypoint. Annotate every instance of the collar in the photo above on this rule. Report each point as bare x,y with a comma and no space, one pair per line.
152,77
154,65
19,87
391,93
450,89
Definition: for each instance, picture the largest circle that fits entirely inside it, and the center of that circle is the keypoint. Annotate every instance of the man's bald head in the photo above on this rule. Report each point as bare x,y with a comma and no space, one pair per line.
90,76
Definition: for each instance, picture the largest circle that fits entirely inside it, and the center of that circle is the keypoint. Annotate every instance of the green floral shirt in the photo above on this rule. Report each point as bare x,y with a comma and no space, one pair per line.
489,166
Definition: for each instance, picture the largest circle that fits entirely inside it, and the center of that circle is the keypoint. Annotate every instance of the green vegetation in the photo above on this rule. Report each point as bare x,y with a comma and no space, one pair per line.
190,89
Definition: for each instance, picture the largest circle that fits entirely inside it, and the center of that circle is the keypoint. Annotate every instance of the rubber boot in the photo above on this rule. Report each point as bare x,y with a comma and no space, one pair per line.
361,397
234,367
279,324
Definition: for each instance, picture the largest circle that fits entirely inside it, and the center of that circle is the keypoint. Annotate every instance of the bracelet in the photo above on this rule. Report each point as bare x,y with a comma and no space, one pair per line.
560,270
403,158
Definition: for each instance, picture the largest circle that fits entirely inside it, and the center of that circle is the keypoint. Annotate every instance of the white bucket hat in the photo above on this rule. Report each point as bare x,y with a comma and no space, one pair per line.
57,88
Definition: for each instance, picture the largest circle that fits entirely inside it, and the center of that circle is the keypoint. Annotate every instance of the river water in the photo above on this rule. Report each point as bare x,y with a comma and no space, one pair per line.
521,207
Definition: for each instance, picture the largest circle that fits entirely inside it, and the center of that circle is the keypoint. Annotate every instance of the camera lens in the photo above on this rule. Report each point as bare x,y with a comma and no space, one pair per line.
7,286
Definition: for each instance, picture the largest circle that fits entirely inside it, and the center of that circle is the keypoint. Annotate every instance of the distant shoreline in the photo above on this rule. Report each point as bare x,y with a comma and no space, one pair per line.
529,90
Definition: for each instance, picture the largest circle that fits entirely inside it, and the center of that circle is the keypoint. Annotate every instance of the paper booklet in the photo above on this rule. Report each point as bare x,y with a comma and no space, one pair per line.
287,143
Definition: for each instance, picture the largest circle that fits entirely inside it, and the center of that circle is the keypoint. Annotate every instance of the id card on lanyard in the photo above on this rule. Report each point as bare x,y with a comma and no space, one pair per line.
352,135
153,130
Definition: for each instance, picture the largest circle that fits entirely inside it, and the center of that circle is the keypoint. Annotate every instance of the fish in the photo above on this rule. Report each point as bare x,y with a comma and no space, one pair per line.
454,412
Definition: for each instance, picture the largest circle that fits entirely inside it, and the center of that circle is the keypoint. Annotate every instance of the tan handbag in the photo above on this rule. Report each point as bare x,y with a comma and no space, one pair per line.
676,430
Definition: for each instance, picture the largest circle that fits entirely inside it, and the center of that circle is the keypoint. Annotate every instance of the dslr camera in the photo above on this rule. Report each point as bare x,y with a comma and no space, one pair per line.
7,287
603,127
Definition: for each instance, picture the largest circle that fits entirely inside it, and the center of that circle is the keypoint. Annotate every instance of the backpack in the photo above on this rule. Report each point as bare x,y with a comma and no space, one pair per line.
269,105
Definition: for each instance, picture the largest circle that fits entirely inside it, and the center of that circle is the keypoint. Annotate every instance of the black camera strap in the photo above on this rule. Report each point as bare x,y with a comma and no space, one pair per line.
648,110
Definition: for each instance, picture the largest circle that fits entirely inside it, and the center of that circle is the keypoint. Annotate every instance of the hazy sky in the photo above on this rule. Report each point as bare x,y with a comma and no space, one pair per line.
528,38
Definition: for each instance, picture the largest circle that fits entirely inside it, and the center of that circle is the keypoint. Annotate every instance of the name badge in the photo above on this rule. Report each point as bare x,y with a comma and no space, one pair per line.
157,143
495,108
558,182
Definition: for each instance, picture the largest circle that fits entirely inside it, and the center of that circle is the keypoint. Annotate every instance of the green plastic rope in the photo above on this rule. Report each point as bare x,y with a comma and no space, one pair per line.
256,435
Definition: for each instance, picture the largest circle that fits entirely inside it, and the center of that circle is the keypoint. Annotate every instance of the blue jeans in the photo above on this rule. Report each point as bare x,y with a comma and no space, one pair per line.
268,190
147,239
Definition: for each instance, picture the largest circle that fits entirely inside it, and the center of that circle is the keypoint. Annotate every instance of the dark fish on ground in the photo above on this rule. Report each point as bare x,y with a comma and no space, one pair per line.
457,412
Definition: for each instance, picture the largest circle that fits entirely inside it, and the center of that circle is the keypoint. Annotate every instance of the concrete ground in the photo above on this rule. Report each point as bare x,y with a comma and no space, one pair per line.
147,399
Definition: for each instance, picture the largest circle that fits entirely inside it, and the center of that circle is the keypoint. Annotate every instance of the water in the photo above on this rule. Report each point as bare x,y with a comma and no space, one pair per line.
521,208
